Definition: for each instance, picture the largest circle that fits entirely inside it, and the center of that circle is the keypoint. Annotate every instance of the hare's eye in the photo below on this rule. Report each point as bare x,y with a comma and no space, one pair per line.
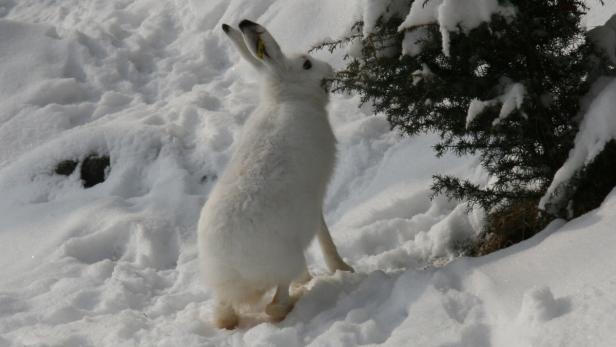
307,65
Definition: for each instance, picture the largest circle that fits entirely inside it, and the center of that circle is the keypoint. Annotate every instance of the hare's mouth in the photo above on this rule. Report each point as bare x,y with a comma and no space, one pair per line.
326,84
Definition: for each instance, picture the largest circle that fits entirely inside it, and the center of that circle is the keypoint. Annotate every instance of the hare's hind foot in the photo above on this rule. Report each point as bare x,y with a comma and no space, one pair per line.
278,312
225,316
298,287
281,305
342,266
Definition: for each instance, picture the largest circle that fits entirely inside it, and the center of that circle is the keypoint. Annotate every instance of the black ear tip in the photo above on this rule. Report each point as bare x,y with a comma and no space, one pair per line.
246,23
226,28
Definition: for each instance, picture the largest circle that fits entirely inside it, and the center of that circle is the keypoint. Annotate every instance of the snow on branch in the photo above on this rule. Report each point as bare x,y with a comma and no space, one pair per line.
452,15
604,37
597,128
512,100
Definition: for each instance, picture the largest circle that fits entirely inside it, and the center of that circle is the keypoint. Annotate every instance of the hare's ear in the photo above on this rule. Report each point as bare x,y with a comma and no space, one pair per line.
261,44
238,41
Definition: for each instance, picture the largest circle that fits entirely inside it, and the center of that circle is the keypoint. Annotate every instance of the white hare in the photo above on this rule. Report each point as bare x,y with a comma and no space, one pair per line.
267,205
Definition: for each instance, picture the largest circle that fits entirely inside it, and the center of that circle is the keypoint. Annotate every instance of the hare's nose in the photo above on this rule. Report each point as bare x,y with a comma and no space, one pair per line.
330,72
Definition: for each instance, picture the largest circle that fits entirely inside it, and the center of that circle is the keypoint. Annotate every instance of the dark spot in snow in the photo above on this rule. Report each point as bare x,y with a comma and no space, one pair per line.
208,178
66,167
93,170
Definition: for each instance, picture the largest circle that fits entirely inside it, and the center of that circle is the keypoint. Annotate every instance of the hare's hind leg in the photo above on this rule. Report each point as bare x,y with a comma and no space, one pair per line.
281,305
225,316
298,286
332,258
304,278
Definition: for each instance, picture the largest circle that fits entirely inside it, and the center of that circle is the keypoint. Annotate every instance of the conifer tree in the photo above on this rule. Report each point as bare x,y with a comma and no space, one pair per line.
508,91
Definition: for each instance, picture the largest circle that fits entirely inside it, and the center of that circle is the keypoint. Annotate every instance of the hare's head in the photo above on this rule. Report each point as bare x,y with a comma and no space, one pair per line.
300,75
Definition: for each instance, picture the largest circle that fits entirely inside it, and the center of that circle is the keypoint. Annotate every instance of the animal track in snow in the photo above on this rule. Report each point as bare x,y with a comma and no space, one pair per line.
539,305
133,242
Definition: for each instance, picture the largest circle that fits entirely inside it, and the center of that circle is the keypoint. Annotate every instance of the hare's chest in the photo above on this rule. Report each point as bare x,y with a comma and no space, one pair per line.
283,149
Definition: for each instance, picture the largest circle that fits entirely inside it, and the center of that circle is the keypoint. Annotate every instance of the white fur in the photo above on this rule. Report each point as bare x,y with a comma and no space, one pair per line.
267,205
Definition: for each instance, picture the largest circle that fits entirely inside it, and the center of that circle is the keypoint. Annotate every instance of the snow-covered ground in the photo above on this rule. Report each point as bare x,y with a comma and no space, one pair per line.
156,85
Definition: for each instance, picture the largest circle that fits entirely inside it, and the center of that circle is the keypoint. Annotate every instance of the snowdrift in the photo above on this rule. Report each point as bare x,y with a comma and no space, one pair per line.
156,86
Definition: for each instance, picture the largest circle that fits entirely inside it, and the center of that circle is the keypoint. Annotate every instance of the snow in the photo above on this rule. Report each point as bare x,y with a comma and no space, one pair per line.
598,127
599,12
372,10
424,73
510,101
450,15
411,43
453,15
604,36
158,87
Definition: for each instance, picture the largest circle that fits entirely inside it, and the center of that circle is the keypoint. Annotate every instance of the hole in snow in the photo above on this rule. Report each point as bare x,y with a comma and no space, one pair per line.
66,167
94,169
